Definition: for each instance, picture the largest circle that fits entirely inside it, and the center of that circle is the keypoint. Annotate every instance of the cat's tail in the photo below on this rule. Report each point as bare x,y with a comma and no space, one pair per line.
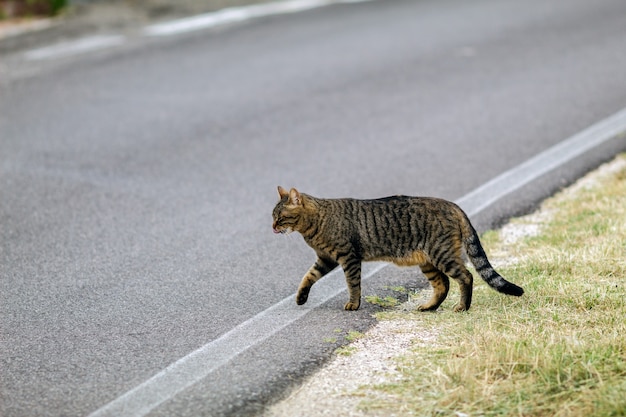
477,255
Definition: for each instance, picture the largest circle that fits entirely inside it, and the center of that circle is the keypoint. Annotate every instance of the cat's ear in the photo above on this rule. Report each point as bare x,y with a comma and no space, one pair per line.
282,192
294,197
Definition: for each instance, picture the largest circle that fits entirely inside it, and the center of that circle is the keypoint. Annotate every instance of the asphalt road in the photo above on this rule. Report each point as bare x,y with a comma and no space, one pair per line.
137,182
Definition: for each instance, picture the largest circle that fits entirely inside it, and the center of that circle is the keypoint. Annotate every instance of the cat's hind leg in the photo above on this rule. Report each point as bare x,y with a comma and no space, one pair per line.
457,271
440,284
320,268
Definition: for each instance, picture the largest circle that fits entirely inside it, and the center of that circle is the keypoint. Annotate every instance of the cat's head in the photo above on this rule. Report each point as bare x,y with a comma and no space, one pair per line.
288,211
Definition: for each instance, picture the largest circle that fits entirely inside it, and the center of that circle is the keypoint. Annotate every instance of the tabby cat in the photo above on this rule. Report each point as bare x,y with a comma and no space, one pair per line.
428,232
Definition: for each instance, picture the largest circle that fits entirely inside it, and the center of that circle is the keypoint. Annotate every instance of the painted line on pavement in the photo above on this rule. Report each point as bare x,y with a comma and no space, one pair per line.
514,179
238,14
83,45
199,22
201,363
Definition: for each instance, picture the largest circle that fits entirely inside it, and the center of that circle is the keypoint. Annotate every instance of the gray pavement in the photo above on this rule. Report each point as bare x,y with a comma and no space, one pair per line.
137,182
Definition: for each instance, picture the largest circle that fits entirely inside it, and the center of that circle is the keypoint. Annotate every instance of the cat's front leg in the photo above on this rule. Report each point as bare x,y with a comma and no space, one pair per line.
352,269
320,268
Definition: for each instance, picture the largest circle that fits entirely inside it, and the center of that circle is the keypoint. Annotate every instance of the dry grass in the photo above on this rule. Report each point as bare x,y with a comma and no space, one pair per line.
560,350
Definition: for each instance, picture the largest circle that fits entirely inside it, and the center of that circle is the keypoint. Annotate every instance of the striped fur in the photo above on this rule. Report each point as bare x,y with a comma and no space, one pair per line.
428,232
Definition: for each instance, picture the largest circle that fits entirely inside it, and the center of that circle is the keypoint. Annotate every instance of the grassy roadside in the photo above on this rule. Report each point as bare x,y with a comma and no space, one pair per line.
560,350
28,8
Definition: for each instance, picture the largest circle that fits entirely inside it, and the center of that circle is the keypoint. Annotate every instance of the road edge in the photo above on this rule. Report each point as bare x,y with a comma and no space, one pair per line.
166,384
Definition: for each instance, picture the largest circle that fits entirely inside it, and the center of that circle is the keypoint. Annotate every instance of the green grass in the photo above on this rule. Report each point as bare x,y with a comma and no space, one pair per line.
346,350
354,335
560,350
385,302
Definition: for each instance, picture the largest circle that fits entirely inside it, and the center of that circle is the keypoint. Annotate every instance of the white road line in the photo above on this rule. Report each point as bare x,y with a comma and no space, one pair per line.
203,21
236,15
199,364
88,44
490,192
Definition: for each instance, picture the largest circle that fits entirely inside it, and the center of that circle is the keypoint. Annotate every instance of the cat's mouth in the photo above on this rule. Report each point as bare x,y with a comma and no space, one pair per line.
282,231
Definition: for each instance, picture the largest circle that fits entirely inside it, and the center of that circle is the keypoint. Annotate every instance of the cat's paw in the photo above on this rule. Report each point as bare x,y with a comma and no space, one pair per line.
460,307
352,306
427,307
302,296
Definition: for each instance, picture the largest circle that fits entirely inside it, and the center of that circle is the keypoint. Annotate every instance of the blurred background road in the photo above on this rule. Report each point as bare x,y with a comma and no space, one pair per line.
137,181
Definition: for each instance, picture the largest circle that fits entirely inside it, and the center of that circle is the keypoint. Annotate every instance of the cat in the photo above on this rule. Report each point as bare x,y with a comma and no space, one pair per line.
428,232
